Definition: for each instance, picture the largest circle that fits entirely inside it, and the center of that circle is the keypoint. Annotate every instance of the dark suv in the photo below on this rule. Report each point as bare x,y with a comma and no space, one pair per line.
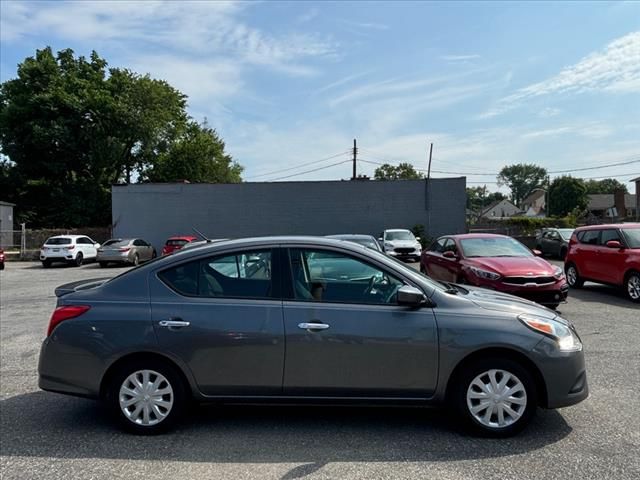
607,254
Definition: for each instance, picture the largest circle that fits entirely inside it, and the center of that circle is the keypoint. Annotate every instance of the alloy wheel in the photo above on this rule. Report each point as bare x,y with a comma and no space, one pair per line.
633,287
146,397
496,399
572,275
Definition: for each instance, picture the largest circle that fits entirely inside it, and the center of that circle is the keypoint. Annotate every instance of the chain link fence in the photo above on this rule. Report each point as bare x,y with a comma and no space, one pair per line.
25,244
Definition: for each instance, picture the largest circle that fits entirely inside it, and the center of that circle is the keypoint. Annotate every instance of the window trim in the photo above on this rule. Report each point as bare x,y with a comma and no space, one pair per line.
276,277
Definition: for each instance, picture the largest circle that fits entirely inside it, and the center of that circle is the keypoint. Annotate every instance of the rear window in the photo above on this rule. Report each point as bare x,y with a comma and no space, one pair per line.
116,243
58,241
590,237
176,242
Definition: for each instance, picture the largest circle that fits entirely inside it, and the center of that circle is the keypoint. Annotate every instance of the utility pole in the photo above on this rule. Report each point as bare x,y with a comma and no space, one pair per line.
355,159
428,232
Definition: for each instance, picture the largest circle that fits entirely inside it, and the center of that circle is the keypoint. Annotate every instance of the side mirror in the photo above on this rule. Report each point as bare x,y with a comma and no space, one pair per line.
417,239
449,254
537,253
410,296
614,244
380,239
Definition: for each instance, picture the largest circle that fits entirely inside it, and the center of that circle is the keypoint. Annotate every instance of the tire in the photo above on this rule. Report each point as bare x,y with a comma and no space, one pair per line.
632,286
79,259
154,254
136,260
422,269
573,277
168,412
563,253
553,306
103,264
46,264
2,266
516,414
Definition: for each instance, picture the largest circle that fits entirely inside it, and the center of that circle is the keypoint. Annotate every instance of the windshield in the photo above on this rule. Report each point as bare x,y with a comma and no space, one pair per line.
58,241
632,236
565,233
493,247
399,235
367,242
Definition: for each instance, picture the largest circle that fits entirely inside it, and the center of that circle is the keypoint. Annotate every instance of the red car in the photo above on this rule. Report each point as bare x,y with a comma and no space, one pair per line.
607,254
497,262
176,243
1,259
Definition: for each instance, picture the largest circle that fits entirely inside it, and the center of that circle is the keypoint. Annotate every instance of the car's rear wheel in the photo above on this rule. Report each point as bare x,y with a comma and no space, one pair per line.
79,259
136,260
147,397
46,263
103,264
573,277
632,286
563,253
496,397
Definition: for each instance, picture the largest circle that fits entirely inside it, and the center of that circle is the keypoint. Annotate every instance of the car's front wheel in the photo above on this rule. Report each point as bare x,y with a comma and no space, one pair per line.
79,259
496,397
573,277
147,397
632,286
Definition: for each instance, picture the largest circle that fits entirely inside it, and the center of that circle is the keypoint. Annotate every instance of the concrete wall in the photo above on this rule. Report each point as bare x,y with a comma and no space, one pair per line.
6,224
157,211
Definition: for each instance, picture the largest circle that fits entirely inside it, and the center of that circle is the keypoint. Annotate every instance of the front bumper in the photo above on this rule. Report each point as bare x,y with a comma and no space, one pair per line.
415,254
564,374
544,295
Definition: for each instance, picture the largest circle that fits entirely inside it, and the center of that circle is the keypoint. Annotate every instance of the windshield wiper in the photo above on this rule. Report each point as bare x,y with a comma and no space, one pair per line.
449,287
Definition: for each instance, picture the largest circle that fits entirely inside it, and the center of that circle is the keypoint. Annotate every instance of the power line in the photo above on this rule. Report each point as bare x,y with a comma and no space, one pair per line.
630,175
299,166
310,171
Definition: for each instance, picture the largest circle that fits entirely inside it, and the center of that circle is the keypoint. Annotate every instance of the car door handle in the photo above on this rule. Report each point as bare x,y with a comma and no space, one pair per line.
173,323
313,326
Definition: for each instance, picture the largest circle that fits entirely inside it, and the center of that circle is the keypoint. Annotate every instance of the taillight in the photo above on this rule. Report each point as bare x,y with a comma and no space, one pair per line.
65,312
71,247
124,249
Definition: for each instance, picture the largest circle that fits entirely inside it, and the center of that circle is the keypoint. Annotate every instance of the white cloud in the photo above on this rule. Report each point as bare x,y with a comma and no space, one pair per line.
308,16
614,69
364,25
549,112
459,58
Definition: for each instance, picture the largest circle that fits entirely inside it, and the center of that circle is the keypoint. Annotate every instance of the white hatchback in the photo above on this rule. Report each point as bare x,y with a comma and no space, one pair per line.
73,249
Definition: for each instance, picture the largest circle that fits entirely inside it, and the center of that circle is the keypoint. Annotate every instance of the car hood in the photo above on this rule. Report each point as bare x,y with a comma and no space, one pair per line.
403,243
514,266
503,302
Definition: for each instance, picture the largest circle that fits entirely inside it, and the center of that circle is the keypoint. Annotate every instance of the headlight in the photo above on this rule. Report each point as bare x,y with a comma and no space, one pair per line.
567,340
388,245
478,272
558,273
418,247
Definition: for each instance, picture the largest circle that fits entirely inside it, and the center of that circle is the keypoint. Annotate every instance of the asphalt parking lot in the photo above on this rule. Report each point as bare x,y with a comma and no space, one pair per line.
45,435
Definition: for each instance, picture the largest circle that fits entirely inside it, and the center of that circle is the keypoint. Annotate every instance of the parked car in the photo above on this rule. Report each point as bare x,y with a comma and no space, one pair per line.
497,262
1,259
401,244
130,251
176,243
200,243
607,254
211,324
366,240
554,241
71,249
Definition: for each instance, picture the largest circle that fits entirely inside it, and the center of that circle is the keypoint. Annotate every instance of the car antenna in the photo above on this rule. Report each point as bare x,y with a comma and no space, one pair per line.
208,240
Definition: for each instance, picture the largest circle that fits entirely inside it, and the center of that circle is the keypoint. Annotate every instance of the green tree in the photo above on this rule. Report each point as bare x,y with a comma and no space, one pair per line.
567,194
522,179
196,155
480,197
404,171
608,185
71,128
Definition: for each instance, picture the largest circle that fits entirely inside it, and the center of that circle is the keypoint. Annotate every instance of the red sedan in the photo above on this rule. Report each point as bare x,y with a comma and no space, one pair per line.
497,262
176,243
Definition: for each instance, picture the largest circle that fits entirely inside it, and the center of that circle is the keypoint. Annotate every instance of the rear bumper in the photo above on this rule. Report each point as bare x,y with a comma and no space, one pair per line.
58,256
115,258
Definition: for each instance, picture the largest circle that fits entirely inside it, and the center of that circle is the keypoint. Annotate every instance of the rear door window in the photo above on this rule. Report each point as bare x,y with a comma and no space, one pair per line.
590,237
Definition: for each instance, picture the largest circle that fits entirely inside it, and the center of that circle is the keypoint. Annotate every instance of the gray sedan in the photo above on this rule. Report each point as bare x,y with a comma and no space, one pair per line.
276,319
130,251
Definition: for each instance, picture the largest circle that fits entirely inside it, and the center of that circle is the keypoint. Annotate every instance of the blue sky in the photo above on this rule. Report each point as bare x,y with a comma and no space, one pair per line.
292,83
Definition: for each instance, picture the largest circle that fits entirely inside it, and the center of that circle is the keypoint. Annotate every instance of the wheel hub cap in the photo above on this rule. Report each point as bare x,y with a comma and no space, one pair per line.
633,287
146,397
496,399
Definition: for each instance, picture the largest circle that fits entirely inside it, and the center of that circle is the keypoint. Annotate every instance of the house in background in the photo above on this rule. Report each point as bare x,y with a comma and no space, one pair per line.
613,206
499,209
637,182
535,205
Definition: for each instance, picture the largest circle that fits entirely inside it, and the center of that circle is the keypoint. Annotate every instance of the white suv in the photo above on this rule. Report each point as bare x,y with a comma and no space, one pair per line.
401,244
74,249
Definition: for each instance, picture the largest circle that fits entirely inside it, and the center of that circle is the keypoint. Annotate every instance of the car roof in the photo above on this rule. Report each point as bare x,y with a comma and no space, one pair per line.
462,236
182,237
608,225
349,235
67,236
397,230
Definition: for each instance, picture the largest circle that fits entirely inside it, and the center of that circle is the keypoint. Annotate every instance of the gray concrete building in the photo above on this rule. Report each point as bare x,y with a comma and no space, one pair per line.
157,211
6,224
